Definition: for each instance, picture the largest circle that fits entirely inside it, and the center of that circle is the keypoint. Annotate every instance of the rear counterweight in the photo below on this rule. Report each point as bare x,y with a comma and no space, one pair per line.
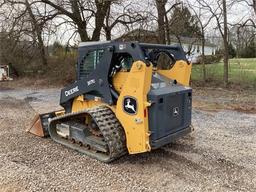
169,114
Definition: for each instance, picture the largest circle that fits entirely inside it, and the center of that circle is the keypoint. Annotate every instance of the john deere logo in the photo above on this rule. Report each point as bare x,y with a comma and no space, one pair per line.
71,91
130,105
175,111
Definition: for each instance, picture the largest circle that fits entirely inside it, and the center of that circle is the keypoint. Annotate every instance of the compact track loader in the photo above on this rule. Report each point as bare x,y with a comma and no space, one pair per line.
128,97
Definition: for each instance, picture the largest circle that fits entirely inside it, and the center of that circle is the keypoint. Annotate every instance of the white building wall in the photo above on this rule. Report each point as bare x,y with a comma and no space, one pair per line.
196,51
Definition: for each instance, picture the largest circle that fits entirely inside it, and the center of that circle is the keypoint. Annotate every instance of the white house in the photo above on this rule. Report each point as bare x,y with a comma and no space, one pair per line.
192,46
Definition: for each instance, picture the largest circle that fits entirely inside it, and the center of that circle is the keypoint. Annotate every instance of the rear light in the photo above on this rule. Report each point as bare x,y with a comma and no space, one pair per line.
145,113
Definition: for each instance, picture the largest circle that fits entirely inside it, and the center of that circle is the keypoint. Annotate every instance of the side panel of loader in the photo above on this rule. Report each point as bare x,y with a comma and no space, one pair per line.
135,120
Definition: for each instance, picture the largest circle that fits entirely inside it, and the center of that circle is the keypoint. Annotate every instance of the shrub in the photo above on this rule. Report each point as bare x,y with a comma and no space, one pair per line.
61,69
231,51
210,59
249,51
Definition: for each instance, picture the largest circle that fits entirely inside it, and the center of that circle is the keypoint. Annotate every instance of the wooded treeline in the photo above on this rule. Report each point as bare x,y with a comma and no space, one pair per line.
28,27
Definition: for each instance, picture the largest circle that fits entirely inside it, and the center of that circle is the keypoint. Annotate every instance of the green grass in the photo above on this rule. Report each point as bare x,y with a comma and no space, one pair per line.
241,71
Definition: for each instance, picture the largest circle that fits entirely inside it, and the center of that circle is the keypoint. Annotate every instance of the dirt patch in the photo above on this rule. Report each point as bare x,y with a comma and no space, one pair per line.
32,83
216,107
245,108
216,99
211,107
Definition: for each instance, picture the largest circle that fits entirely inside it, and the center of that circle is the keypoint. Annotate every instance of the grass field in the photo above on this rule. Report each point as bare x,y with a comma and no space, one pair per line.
241,71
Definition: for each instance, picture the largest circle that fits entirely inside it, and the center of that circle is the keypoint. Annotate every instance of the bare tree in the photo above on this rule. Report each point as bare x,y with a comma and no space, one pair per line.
250,3
244,27
14,30
37,23
225,39
162,19
219,10
254,5
161,12
37,30
203,26
125,16
250,19
82,13
36,18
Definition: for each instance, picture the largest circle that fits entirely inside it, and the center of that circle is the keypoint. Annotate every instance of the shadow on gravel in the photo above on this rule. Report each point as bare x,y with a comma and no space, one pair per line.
167,152
180,153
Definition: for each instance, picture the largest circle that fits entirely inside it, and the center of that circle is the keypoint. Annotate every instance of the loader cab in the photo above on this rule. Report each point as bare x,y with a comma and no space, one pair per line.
122,61
103,67
88,62
91,55
123,55
111,62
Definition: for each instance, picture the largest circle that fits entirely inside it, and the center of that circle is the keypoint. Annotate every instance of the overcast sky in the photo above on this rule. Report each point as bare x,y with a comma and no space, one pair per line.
236,13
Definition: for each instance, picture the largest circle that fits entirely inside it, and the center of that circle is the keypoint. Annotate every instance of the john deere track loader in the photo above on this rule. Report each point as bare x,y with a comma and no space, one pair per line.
129,97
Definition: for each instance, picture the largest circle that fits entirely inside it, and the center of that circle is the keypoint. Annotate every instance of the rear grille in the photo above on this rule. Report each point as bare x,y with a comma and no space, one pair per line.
169,114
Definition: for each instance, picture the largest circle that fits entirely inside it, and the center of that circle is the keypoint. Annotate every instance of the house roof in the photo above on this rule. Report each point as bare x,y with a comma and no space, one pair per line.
148,36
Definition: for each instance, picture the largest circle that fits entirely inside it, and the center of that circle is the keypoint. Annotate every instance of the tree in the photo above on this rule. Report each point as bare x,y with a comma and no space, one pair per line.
123,14
82,13
161,12
231,51
17,45
203,23
163,21
183,23
35,20
249,50
224,34
57,48
37,24
219,11
249,3
245,30
90,17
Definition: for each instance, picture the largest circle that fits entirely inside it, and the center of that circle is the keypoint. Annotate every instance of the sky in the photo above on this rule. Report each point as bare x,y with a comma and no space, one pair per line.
237,12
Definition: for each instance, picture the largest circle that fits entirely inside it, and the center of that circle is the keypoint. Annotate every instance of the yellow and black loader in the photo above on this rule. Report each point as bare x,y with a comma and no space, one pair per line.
128,97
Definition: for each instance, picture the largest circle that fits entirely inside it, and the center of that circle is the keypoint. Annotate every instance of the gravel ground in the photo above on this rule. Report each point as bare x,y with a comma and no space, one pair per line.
220,155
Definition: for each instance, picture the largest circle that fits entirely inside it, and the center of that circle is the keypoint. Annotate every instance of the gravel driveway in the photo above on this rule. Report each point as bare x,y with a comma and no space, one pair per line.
220,155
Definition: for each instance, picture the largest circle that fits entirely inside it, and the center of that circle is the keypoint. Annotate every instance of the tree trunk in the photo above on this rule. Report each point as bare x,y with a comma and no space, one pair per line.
81,25
254,5
225,38
108,34
107,28
238,43
203,56
160,4
37,30
102,10
83,32
167,27
42,49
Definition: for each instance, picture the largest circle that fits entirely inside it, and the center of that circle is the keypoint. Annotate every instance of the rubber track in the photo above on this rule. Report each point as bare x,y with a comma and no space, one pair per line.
109,126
